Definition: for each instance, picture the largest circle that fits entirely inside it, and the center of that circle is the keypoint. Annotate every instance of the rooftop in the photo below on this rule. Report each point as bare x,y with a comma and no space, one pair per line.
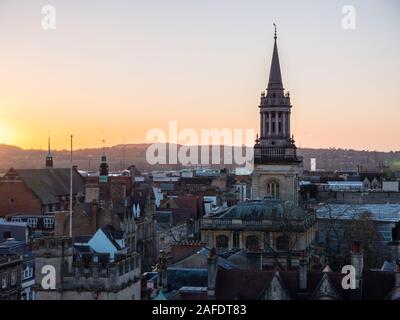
378,212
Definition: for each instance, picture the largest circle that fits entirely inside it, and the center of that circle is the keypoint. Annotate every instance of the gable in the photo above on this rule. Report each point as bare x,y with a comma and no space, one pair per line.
325,290
276,290
102,244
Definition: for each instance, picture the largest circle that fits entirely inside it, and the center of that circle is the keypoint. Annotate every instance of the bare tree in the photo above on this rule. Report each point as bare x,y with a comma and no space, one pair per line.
288,239
362,229
344,227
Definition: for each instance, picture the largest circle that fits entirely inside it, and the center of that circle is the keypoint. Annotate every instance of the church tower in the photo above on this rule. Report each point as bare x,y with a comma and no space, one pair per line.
276,165
103,169
49,157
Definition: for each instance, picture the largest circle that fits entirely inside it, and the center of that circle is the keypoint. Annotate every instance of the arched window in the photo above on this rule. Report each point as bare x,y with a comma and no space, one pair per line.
222,241
252,243
273,189
282,243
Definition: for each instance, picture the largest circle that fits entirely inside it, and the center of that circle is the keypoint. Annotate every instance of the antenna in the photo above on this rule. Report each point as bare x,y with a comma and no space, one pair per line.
123,154
70,195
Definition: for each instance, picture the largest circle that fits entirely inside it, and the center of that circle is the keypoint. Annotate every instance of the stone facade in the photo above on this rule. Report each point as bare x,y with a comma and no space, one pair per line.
284,176
89,279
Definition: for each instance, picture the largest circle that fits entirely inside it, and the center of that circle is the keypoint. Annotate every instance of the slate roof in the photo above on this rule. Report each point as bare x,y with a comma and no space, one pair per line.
113,235
199,260
49,183
251,284
241,284
379,212
377,284
163,216
186,277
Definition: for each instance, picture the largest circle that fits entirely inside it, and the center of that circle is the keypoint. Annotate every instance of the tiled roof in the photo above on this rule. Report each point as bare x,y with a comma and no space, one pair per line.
49,183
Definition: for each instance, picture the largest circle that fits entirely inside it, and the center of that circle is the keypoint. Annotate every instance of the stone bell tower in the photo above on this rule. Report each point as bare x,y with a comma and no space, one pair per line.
276,165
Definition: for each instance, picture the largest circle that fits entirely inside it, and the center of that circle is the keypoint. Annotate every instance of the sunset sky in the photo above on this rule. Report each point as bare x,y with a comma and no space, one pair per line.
115,69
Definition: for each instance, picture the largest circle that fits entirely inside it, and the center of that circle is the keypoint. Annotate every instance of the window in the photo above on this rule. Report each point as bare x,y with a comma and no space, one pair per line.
32,222
49,223
13,278
252,243
222,241
4,281
273,189
386,235
28,273
16,219
282,243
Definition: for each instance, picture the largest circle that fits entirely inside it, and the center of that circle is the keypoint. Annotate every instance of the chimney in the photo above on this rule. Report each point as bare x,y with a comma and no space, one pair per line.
93,212
397,274
162,271
303,270
212,272
357,262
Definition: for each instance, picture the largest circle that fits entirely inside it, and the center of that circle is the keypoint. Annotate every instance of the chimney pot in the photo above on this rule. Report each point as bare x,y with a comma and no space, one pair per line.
357,260
356,247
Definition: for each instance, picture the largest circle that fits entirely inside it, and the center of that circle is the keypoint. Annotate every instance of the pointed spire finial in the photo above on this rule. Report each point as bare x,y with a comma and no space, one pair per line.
48,144
49,157
275,32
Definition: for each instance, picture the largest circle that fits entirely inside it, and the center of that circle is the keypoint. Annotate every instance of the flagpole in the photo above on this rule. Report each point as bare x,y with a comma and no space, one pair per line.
70,194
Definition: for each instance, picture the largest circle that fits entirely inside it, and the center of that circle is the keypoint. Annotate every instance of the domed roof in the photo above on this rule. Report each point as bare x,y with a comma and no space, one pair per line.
262,210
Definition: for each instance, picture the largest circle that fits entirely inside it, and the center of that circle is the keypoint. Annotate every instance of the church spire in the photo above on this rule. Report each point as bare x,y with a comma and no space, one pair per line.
275,78
49,157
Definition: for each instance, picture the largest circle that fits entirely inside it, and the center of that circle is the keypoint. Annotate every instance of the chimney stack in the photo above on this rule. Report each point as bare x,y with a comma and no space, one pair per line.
397,274
212,273
357,262
303,270
162,271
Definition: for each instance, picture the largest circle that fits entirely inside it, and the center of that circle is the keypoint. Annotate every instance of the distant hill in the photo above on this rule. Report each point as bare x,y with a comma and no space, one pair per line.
121,156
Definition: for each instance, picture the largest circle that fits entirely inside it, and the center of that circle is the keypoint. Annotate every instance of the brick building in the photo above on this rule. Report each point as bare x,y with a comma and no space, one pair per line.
37,191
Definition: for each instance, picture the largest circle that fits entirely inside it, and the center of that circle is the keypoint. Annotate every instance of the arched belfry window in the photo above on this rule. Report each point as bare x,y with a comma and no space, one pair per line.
273,189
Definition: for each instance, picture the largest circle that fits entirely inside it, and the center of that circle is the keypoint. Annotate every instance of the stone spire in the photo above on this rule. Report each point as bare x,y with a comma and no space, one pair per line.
275,78
49,157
